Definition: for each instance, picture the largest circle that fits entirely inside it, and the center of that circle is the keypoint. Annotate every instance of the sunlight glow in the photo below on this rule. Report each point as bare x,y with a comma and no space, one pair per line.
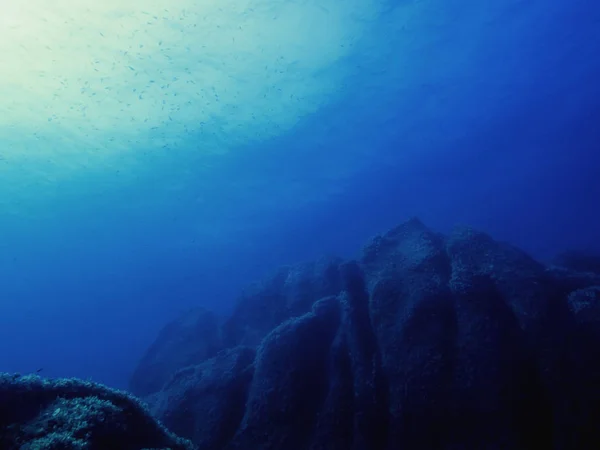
81,80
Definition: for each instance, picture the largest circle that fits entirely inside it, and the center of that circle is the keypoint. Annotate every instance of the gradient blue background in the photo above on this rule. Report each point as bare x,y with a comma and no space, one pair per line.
347,119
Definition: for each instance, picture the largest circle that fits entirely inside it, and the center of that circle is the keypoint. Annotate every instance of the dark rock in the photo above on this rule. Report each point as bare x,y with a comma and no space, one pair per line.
579,402
205,403
290,381
353,414
369,386
540,303
68,414
197,336
191,339
584,304
412,315
335,421
428,342
291,292
496,387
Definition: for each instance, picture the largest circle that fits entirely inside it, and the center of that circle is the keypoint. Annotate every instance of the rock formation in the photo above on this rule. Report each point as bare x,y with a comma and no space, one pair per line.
68,414
426,342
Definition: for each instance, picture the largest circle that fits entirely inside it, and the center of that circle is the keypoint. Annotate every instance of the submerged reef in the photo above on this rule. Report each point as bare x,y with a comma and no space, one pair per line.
427,341
69,414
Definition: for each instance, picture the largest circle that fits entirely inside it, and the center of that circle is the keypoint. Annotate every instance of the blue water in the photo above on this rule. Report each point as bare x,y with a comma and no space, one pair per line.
159,155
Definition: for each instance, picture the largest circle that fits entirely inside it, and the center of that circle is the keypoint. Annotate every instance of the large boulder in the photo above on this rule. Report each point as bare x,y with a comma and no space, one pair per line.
68,414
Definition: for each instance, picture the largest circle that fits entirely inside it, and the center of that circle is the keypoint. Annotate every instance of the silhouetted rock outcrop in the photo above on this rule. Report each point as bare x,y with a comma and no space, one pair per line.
426,342
66,414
